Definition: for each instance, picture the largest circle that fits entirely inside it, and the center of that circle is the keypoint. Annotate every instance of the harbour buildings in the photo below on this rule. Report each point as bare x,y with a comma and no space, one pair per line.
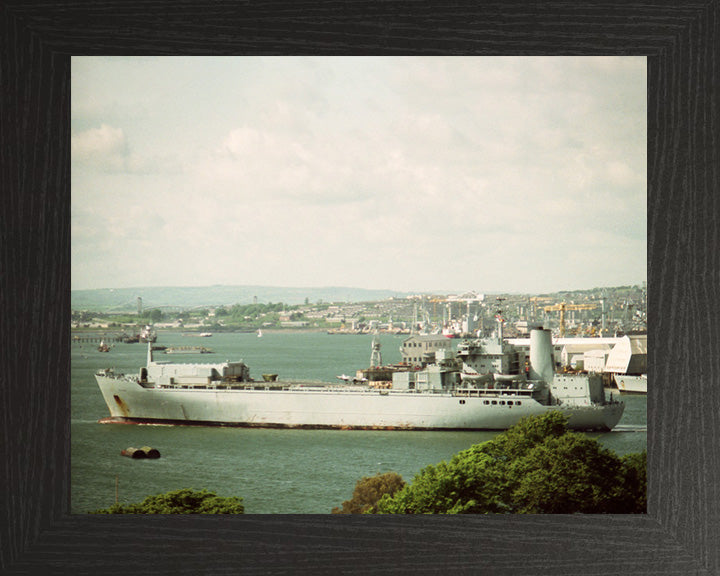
420,349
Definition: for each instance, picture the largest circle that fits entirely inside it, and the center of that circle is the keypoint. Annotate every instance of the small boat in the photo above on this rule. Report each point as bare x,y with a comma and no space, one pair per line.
188,350
147,334
451,331
103,347
259,333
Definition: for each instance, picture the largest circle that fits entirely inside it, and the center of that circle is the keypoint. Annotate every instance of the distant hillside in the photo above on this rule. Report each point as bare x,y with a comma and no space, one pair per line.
125,299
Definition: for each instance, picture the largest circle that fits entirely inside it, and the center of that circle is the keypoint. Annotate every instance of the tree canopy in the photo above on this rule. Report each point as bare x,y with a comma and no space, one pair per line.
537,466
184,501
368,491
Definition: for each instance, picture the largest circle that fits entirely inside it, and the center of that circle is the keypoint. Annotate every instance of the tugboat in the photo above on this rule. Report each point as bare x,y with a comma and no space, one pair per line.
147,334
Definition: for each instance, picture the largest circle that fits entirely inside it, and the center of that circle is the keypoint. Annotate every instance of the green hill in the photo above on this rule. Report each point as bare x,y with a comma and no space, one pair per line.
125,299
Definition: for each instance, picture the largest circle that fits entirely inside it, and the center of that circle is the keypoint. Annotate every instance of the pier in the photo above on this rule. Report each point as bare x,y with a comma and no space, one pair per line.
97,338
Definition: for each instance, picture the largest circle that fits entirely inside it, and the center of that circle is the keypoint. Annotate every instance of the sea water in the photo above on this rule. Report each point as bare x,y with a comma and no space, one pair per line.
273,470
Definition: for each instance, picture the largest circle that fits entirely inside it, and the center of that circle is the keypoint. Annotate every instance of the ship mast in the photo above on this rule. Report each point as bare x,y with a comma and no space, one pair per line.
375,356
500,319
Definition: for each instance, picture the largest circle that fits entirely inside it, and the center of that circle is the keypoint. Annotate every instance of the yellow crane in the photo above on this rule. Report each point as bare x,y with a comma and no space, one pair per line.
562,307
535,300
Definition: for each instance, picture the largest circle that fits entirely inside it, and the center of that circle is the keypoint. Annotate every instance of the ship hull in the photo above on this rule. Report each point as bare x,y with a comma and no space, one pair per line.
631,384
333,407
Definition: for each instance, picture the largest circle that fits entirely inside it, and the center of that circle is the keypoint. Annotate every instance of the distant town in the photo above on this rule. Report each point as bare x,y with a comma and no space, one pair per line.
607,311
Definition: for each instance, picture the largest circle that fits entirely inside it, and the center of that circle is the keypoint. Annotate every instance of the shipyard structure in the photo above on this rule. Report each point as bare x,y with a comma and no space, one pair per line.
620,360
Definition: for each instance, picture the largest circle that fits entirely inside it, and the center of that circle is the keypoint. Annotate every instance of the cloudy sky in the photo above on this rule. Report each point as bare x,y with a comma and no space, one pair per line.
414,174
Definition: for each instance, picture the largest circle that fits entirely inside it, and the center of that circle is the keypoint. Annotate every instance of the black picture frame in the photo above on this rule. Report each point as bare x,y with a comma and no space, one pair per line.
681,531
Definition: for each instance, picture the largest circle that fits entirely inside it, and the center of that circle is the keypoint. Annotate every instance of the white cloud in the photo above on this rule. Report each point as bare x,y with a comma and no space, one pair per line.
620,173
433,171
105,147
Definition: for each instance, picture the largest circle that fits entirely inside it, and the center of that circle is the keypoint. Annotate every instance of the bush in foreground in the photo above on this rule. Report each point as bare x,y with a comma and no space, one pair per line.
537,466
183,501
368,491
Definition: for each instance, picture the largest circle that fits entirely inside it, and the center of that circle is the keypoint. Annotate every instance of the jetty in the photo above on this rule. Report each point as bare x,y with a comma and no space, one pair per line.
97,338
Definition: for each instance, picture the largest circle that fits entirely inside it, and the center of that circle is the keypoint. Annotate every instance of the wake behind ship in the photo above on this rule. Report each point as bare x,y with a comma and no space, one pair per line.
481,388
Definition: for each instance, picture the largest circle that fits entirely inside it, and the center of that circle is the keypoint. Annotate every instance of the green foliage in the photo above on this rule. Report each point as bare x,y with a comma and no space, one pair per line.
244,312
154,314
184,501
567,475
635,477
368,491
537,466
82,316
463,485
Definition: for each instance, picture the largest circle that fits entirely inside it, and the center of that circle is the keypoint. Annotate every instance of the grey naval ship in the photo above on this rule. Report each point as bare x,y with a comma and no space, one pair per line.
489,384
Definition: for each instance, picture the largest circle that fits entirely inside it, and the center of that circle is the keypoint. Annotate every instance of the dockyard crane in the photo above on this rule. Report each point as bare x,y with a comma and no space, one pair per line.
562,307
435,301
534,300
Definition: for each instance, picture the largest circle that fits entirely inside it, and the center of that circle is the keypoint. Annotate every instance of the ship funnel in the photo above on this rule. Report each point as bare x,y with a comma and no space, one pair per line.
541,355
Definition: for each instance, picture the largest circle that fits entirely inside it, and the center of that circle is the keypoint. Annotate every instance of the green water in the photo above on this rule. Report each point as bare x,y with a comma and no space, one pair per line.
275,471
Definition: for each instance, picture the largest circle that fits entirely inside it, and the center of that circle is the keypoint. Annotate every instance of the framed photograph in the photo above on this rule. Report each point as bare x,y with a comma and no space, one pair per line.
46,46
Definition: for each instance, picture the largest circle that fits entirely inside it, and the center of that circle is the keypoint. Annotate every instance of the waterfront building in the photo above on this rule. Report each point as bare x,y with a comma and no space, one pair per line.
420,349
595,360
575,354
629,356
